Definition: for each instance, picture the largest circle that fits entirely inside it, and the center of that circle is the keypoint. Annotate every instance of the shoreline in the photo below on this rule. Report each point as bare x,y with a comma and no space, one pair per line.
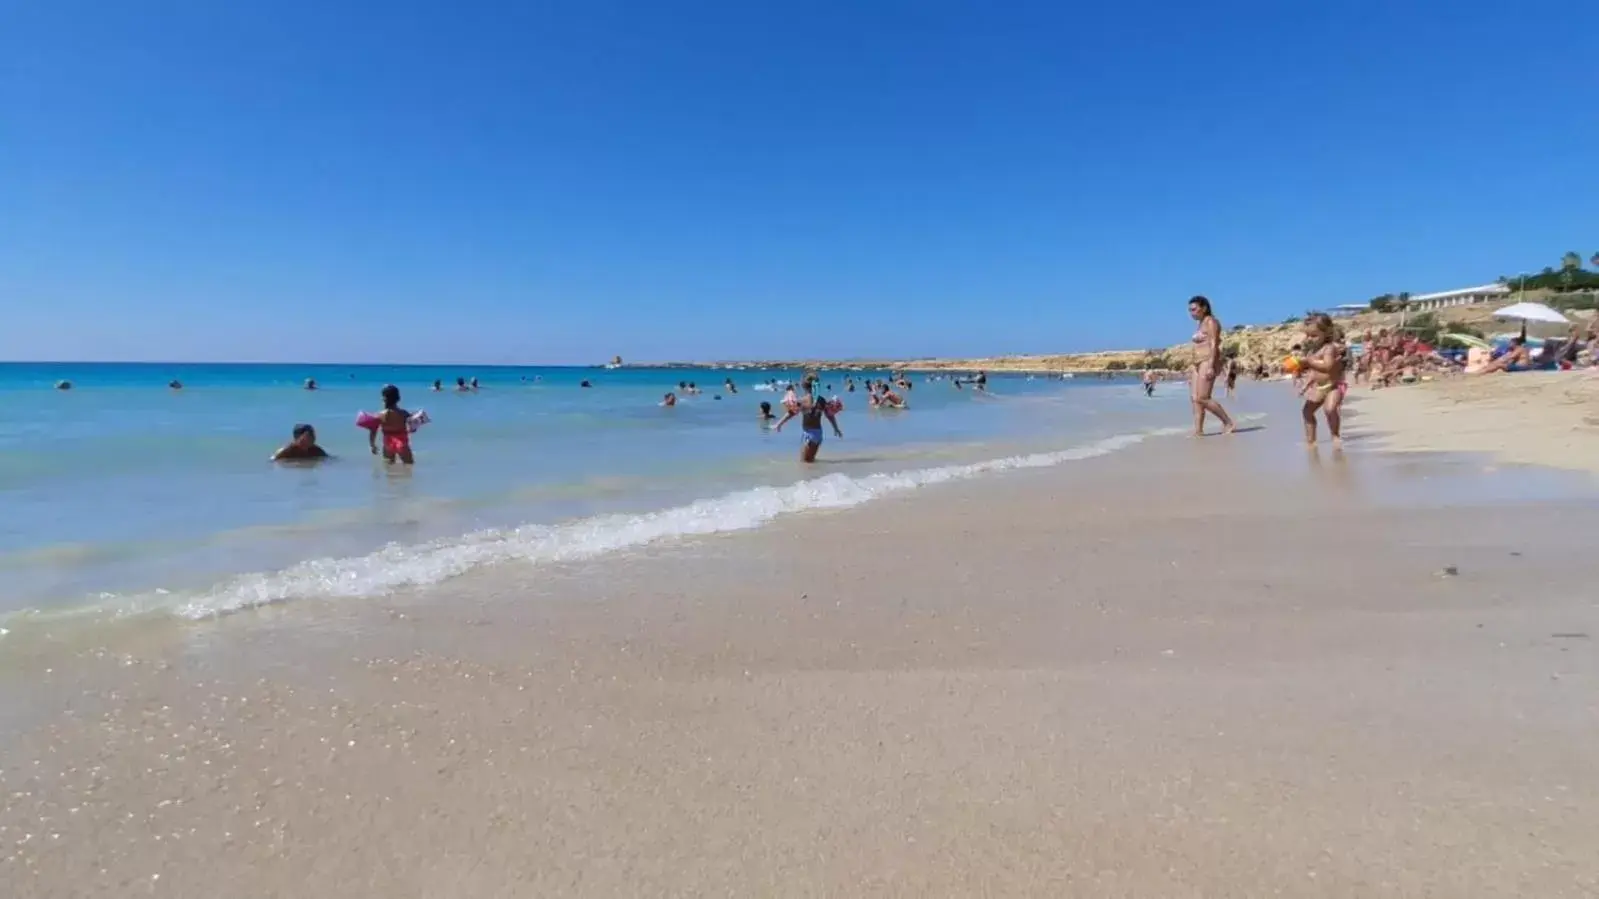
1136,674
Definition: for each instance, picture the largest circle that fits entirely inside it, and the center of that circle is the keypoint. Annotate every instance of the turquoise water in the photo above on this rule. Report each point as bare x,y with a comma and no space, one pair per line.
124,495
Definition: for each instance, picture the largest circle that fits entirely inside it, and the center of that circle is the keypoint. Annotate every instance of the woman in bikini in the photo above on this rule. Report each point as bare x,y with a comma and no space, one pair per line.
1207,367
1325,387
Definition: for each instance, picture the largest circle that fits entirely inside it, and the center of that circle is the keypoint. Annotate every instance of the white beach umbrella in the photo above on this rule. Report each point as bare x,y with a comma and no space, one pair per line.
1532,312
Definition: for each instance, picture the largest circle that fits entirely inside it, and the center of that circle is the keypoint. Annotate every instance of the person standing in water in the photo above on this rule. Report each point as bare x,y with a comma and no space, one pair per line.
395,425
1207,367
811,410
1325,387
1149,382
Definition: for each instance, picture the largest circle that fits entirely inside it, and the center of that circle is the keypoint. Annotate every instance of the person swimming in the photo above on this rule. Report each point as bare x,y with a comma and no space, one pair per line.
669,400
174,384
812,410
584,383
766,416
438,386
395,425
473,384
731,387
302,447
460,386
310,383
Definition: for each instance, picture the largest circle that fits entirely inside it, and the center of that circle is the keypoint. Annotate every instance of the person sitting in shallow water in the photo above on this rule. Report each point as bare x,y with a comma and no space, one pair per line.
302,447
766,416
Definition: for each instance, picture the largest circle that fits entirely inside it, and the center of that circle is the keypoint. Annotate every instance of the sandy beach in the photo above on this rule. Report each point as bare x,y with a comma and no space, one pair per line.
1191,668
1531,418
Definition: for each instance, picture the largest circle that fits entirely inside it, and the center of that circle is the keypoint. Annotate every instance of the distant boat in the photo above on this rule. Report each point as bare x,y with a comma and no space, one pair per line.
616,362
1067,376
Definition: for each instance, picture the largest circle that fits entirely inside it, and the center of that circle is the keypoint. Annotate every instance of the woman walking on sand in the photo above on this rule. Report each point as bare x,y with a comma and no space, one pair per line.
1207,366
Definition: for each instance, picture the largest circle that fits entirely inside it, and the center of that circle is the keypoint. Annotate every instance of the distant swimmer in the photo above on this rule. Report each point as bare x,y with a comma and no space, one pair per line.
394,423
302,447
766,416
981,380
1149,382
63,385
693,389
460,386
669,400
438,386
849,385
731,387
473,382
811,411
584,383
310,383
174,384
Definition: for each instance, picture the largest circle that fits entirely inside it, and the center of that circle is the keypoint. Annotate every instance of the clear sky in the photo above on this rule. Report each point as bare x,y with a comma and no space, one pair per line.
551,182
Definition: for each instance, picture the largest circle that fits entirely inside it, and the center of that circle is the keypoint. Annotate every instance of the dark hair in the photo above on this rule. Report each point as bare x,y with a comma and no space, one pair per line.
766,407
302,430
1200,301
391,396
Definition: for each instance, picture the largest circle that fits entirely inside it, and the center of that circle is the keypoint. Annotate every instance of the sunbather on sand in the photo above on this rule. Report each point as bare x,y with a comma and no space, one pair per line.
1514,359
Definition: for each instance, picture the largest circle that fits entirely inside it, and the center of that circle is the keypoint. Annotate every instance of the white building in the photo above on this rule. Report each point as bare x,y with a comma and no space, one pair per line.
1348,309
1465,296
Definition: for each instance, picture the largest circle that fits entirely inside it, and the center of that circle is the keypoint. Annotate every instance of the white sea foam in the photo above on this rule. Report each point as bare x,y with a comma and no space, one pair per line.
401,566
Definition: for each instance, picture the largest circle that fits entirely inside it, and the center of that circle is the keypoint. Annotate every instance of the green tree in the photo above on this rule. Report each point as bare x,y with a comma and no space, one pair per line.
1571,261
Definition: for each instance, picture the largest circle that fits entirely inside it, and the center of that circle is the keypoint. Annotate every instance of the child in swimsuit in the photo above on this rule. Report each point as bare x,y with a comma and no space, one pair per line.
811,412
394,424
1325,386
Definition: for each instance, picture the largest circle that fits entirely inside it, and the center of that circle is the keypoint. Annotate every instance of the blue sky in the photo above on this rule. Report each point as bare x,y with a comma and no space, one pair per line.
557,182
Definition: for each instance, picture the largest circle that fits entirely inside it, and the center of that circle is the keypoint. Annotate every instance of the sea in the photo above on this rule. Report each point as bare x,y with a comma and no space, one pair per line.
124,497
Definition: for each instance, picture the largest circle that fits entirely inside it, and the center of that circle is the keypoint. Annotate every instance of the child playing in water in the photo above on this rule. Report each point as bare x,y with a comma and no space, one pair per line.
811,411
1325,387
302,448
395,424
766,414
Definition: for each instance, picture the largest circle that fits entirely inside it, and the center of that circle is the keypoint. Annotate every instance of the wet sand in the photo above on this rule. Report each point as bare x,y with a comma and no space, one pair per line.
1194,668
1528,418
